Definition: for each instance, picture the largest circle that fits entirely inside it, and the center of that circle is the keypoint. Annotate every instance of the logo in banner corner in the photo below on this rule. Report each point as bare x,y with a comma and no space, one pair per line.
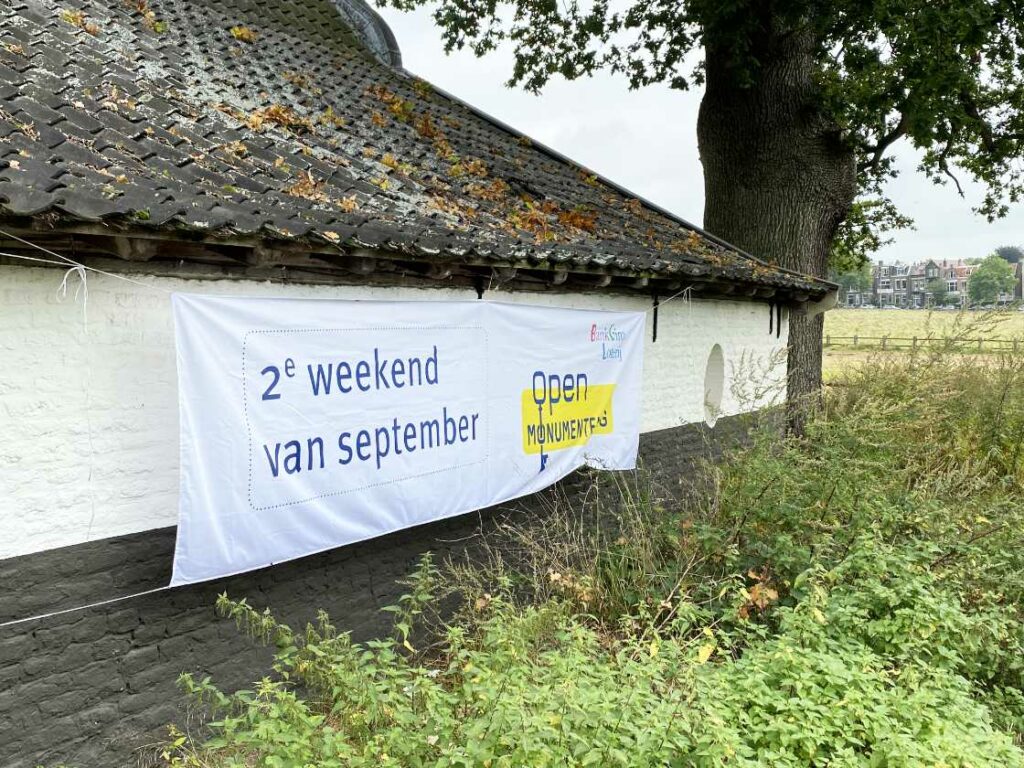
563,411
611,338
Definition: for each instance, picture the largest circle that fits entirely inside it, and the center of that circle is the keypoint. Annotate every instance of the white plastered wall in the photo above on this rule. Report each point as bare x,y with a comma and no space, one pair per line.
89,409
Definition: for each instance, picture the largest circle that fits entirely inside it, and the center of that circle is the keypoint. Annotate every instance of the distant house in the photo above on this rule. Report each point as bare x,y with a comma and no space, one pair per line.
908,285
272,148
890,284
957,276
921,274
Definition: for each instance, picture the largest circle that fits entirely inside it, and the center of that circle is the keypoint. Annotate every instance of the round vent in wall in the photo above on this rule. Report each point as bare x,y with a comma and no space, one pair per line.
714,385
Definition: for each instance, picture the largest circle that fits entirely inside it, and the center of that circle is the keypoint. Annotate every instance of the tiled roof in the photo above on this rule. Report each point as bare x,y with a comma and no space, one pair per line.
267,118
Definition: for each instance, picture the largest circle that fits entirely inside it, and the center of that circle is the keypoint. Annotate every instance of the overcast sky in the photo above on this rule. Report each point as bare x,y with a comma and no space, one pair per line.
646,141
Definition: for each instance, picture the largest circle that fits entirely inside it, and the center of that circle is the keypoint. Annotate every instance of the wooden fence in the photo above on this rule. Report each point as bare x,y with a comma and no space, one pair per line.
925,342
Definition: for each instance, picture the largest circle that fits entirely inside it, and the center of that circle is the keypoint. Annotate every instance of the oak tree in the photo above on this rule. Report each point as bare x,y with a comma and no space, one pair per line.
1011,253
803,102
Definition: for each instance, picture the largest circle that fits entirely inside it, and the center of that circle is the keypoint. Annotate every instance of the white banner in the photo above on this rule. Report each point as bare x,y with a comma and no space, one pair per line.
309,424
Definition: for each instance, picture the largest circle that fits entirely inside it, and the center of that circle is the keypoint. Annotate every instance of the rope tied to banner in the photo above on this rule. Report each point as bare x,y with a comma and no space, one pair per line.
73,267
76,269
81,271
97,604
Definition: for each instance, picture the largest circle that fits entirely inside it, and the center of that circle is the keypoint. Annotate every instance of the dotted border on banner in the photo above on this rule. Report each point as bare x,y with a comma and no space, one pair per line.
248,426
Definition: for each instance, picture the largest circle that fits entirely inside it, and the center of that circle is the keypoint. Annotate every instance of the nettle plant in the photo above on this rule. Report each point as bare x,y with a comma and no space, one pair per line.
871,663
849,598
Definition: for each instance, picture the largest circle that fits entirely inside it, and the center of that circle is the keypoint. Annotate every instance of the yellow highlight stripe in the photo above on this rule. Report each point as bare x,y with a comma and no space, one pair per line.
566,424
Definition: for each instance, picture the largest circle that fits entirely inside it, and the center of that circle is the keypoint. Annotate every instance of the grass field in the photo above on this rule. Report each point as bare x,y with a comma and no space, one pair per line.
908,323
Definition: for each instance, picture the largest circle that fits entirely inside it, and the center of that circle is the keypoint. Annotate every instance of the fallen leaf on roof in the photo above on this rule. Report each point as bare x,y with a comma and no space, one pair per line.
149,19
80,20
452,207
279,115
444,149
578,218
423,88
29,129
425,127
687,244
402,109
237,148
328,117
533,219
244,34
308,187
476,167
496,191
298,79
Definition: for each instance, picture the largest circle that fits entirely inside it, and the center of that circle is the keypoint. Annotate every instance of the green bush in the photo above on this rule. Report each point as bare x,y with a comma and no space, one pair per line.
851,598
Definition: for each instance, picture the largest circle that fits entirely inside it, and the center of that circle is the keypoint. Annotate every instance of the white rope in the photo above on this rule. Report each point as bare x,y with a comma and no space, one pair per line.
83,287
80,270
79,267
687,291
66,611
76,265
33,258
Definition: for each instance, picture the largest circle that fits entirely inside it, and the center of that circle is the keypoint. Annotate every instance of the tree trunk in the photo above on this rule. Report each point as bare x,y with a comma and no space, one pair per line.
778,178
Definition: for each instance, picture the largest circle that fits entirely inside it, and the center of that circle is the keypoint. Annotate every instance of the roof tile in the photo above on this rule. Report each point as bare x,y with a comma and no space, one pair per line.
301,134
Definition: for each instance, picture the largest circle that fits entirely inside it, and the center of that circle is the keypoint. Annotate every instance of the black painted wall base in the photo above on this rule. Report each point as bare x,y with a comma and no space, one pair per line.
92,689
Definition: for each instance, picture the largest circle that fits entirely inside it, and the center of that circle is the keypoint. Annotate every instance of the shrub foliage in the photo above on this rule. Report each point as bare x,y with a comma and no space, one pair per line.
851,598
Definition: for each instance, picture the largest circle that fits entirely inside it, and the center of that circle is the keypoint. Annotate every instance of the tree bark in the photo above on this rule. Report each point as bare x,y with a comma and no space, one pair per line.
778,177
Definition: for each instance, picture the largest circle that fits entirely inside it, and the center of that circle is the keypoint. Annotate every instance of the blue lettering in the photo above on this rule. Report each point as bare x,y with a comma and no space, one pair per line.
293,460
432,365
378,367
273,460
321,379
345,448
344,372
363,442
362,373
381,436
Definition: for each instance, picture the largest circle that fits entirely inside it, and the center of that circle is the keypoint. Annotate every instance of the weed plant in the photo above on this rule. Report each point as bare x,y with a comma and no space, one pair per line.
853,597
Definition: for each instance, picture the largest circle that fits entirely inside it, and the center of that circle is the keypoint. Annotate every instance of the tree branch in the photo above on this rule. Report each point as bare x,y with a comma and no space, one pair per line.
944,165
984,129
877,151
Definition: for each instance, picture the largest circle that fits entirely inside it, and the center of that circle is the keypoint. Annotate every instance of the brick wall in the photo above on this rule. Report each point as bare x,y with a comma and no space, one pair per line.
93,688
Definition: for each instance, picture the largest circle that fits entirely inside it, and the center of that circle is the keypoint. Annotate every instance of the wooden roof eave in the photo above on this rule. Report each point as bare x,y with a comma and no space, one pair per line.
193,255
